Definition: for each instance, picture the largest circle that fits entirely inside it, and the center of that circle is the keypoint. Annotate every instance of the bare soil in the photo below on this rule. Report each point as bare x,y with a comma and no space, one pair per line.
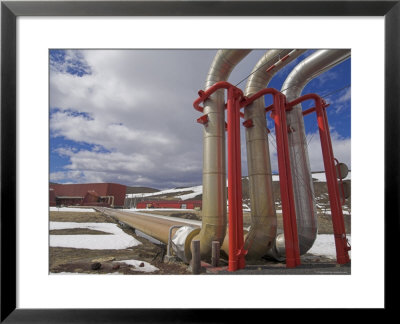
77,231
82,260
84,217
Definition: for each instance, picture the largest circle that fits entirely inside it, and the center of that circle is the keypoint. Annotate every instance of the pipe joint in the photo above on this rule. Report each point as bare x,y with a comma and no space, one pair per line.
181,242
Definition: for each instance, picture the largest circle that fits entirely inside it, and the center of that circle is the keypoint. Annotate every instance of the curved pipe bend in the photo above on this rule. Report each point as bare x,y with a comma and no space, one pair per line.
214,219
306,216
263,217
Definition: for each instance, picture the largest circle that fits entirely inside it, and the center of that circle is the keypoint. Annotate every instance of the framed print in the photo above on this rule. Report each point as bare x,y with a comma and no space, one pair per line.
29,29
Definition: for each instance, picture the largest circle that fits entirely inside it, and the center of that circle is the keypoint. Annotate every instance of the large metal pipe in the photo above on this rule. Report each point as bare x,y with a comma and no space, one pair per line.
159,229
306,216
263,217
214,220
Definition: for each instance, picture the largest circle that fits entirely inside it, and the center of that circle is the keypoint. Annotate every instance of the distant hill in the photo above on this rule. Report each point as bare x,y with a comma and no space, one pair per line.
195,192
133,190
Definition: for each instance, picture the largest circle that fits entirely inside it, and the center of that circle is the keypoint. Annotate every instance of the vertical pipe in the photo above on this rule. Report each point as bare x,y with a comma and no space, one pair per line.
263,217
314,65
214,220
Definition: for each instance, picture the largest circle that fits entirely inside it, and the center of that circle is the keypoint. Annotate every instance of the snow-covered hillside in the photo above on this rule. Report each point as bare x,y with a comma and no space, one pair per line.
177,193
182,193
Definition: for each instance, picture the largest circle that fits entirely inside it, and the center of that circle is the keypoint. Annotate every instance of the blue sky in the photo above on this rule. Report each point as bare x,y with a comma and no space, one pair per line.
126,116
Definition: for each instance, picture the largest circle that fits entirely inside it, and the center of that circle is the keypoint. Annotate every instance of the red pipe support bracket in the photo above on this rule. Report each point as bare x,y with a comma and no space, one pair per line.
286,185
341,243
203,95
248,100
278,109
202,120
237,252
235,211
248,123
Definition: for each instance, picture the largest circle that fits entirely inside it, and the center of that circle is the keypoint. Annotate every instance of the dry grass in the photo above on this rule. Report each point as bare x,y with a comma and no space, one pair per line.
84,217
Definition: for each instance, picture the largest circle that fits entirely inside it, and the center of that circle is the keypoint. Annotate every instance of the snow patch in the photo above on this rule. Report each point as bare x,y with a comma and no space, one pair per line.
136,263
197,190
119,239
324,245
75,210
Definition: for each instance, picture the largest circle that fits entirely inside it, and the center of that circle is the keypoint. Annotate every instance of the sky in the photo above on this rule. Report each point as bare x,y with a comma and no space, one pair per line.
127,116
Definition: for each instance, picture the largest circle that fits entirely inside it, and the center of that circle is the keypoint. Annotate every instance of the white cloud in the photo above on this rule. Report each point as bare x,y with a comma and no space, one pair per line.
341,102
135,110
326,77
344,97
341,149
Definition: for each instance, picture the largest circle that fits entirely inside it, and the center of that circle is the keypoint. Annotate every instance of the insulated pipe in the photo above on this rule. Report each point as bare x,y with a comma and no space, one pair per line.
306,216
157,228
263,216
214,220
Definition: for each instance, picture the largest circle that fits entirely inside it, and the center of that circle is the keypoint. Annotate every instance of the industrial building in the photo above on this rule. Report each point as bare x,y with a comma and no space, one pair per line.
87,194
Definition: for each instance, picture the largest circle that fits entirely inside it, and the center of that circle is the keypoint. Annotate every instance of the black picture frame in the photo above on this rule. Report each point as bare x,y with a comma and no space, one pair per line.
10,10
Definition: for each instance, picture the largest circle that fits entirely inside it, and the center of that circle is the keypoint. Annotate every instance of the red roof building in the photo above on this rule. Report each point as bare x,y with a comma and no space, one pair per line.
87,194
181,204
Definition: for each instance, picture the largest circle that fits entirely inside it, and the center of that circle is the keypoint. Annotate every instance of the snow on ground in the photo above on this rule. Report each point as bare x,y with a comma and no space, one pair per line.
246,208
197,190
324,245
146,268
119,239
78,210
345,212
320,176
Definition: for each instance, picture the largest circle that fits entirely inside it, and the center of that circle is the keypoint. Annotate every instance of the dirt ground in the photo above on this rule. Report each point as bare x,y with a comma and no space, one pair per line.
82,260
85,260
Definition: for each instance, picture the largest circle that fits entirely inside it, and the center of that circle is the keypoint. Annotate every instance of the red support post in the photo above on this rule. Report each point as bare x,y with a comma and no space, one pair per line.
232,212
239,199
286,185
342,255
237,252
235,213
